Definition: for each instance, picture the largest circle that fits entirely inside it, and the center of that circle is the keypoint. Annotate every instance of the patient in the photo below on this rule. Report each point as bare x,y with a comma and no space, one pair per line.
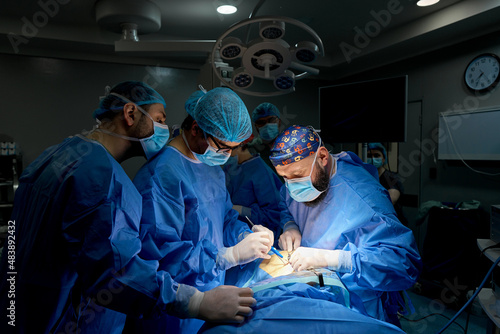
300,302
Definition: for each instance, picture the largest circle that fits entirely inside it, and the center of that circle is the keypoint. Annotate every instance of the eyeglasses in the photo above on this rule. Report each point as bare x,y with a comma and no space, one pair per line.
263,121
223,148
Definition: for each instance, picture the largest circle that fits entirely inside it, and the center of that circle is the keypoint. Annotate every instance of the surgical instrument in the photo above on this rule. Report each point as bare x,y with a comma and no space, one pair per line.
272,248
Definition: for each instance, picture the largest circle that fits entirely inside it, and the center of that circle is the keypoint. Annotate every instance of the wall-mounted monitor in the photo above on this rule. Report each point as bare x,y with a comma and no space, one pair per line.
363,112
469,135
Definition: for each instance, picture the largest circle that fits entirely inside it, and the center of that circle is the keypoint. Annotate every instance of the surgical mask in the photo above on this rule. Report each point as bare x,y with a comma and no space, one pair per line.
154,143
269,131
151,145
302,189
210,157
377,162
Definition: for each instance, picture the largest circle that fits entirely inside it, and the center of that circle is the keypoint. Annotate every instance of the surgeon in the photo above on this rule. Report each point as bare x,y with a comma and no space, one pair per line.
254,189
192,100
76,266
337,215
377,156
188,223
266,118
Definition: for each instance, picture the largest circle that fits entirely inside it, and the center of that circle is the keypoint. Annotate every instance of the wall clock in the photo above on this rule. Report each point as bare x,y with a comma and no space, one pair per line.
483,72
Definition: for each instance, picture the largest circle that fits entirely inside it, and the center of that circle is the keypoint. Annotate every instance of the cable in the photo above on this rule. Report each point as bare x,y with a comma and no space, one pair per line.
429,315
468,316
252,14
497,245
257,7
471,298
459,155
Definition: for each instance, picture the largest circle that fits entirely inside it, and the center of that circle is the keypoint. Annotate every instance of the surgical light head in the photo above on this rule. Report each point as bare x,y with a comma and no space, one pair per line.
272,29
231,48
305,52
241,78
285,80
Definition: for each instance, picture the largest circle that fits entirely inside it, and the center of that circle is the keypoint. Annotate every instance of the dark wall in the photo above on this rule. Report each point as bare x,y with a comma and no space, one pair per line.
46,100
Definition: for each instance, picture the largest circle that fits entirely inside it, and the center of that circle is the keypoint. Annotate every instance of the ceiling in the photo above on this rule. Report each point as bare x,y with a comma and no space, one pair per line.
399,29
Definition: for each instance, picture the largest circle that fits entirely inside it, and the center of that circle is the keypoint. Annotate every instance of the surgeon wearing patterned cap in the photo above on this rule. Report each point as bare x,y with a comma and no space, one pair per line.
335,214
188,222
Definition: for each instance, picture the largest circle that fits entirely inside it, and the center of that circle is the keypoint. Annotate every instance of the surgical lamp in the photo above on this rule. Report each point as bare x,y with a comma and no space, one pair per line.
266,65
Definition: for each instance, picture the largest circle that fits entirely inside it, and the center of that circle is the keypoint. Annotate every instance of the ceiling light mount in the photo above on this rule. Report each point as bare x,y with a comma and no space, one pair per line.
267,58
114,14
129,32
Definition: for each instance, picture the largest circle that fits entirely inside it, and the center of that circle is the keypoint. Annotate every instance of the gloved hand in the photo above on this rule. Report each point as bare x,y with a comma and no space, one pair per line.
254,245
223,304
262,228
306,257
290,239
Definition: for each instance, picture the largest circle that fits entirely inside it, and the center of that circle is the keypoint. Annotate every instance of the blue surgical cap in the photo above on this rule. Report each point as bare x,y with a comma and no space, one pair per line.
135,91
221,113
263,110
192,101
379,147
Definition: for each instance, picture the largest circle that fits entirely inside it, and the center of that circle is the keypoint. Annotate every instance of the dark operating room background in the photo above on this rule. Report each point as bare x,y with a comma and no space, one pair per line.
46,99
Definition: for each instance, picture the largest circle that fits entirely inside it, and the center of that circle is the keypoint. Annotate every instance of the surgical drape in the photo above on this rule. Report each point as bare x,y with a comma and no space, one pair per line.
300,308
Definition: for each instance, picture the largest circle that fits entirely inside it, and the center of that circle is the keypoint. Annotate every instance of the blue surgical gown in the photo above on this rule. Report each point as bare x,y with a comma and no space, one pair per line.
187,217
357,216
77,218
253,185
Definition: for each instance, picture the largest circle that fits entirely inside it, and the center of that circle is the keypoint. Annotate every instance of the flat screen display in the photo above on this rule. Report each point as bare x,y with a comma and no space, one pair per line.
469,135
364,112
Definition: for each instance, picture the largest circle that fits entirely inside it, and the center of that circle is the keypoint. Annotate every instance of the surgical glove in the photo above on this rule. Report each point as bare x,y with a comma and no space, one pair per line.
306,258
290,239
262,228
255,245
224,304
